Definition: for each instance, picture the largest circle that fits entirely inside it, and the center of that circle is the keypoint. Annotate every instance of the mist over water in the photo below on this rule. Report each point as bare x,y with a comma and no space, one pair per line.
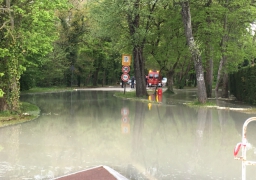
83,129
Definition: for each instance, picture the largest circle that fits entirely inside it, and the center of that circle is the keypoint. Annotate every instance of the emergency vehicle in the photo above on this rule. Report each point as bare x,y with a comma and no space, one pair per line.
154,79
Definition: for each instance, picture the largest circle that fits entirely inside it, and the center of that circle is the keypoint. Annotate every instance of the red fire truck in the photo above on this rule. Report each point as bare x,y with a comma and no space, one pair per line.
154,79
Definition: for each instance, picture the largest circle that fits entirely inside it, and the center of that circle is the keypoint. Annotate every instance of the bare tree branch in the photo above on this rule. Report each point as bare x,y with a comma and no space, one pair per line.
3,26
5,9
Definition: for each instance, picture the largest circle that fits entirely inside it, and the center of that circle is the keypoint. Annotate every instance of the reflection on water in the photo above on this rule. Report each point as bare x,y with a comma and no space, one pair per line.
125,122
81,129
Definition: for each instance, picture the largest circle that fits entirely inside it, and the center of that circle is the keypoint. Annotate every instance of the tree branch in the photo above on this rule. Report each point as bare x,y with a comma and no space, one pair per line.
3,26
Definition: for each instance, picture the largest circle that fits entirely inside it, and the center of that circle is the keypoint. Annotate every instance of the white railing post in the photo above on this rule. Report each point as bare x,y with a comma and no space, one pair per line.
244,143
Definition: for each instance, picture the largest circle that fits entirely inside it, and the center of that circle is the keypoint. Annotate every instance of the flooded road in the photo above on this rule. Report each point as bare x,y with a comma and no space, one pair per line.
83,129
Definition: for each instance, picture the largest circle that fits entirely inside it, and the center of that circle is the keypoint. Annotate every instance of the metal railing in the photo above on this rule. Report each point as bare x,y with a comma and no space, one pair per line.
243,145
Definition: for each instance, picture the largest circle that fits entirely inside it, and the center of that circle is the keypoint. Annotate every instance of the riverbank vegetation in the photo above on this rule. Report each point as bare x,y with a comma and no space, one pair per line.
69,43
46,90
27,113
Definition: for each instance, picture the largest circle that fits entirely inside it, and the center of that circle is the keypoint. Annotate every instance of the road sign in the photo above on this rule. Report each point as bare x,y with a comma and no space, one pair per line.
126,69
125,128
125,111
126,60
125,119
125,77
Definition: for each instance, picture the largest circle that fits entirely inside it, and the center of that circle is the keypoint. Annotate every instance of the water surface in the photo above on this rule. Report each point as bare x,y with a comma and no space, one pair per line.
82,129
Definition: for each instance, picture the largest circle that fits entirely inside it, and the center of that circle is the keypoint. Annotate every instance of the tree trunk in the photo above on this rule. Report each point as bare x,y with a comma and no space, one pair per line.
3,104
9,83
95,77
11,87
138,65
209,61
223,58
170,81
3,86
14,86
224,91
8,6
138,60
209,74
194,49
170,75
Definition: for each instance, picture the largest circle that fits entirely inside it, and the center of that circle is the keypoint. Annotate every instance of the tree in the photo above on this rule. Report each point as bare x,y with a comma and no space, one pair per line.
208,49
72,29
133,19
1,91
204,28
27,29
235,18
166,43
133,22
195,52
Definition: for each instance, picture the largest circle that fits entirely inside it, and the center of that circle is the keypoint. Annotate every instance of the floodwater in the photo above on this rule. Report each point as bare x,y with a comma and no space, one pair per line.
169,141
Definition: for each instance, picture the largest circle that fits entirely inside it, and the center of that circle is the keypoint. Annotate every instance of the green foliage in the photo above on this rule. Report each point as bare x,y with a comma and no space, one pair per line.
180,83
28,112
47,38
1,91
4,52
167,44
48,73
5,113
72,29
25,107
26,34
242,84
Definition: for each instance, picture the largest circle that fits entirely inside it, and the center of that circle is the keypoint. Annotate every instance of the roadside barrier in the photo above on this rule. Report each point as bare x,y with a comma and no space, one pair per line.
244,145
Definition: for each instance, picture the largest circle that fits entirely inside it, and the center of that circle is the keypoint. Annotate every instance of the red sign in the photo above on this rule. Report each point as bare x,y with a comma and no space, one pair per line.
125,111
126,69
125,119
125,77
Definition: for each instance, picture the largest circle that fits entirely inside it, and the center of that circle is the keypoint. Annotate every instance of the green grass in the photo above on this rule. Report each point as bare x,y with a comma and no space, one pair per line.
46,89
130,95
198,104
25,107
4,113
53,89
28,113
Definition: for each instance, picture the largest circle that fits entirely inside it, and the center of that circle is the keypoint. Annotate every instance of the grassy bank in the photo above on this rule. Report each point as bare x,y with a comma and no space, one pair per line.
27,112
131,95
46,89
